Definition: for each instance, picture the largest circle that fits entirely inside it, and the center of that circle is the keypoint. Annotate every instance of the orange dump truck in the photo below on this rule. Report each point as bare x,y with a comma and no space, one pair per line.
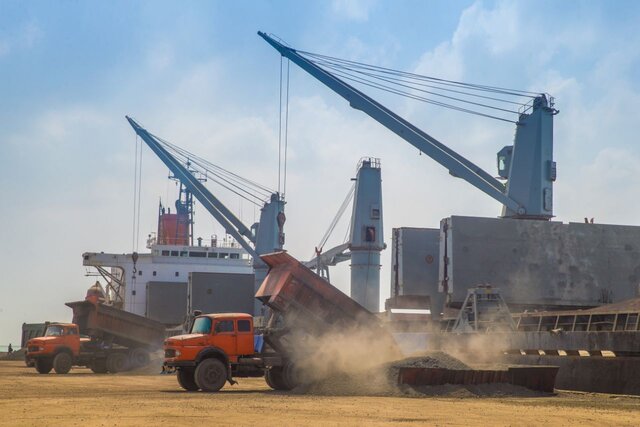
222,347
101,337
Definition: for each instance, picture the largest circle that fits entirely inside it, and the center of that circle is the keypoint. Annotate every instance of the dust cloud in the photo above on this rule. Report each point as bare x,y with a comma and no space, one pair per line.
363,360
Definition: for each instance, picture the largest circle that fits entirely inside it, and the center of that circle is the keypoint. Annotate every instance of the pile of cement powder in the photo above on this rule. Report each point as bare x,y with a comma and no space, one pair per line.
383,381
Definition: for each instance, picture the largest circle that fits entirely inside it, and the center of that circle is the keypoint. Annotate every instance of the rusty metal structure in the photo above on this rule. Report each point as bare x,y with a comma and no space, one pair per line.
299,297
539,378
114,326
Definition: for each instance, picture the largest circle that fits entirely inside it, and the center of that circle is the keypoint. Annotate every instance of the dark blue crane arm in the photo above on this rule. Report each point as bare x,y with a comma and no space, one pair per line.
456,164
224,216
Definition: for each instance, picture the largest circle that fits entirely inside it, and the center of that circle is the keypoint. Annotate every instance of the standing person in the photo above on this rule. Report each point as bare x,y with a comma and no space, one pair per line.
10,350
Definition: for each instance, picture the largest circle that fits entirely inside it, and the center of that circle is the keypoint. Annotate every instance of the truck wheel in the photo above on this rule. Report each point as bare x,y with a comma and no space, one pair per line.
210,375
290,376
116,362
139,357
186,379
62,363
44,366
275,378
282,377
99,366
268,380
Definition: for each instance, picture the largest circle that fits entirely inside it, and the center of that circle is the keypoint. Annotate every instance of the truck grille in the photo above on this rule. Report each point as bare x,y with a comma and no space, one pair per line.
169,353
32,349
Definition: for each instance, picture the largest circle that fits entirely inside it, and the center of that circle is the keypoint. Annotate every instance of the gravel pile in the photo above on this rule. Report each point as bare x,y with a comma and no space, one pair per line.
436,359
383,381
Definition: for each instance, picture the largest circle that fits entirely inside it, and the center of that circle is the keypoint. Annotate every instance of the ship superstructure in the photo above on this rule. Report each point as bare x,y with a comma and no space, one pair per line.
133,277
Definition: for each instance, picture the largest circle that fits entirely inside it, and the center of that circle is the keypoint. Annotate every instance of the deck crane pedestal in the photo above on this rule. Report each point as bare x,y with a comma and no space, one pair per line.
527,165
263,237
366,238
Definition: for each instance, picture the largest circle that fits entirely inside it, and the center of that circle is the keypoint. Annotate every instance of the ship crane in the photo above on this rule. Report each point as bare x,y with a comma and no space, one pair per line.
365,237
527,165
323,259
263,237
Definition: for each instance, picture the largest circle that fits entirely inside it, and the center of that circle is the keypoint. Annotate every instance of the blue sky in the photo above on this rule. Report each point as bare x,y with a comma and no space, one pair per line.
197,74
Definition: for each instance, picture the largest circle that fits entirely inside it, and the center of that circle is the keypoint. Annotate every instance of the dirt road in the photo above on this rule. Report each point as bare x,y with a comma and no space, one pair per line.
82,398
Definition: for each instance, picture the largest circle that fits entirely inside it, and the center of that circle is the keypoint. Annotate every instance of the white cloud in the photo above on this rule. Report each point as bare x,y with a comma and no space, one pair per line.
31,34
56,126
161,56
444,61
356,10
499,29
26,37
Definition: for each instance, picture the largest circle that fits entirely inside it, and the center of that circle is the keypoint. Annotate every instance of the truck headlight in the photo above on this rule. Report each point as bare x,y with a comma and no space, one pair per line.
171,353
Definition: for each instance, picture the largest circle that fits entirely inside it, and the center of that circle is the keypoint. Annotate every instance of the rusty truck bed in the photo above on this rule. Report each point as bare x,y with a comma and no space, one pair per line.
292,289
123,328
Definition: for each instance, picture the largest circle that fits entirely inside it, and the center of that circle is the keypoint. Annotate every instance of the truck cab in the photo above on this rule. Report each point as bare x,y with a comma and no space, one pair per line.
56,349
218,347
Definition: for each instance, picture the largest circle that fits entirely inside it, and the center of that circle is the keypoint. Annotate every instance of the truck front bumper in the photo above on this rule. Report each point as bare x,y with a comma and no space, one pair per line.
180,364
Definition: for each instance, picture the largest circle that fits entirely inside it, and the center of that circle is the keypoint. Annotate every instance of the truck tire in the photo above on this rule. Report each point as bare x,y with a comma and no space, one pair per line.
210,375
62,363
186,379
281,377
117,362
290,376
268,380
44,366
139,357
274,379
99,366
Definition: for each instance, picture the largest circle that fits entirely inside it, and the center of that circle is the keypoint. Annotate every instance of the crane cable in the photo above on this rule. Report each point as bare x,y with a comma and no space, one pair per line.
139,197
341,210
280,128
283,127
213,168
443,95
406,84
286,131
425,100
432,85
135,195
137,191
249,190
474,86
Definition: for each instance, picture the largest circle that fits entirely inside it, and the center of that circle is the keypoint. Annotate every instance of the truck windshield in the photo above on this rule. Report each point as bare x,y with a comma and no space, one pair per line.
53,331
202,325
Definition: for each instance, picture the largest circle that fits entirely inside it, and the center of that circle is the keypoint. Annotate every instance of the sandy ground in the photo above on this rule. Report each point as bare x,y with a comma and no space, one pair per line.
82,398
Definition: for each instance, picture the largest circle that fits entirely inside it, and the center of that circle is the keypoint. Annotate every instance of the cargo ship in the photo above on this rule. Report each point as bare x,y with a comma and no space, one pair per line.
175,275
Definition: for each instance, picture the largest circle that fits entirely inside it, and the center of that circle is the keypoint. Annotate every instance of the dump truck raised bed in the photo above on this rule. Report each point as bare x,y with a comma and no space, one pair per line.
101,337
302,306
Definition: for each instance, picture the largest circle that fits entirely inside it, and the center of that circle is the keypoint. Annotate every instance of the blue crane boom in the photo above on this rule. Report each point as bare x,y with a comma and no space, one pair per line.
220,212
532,167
